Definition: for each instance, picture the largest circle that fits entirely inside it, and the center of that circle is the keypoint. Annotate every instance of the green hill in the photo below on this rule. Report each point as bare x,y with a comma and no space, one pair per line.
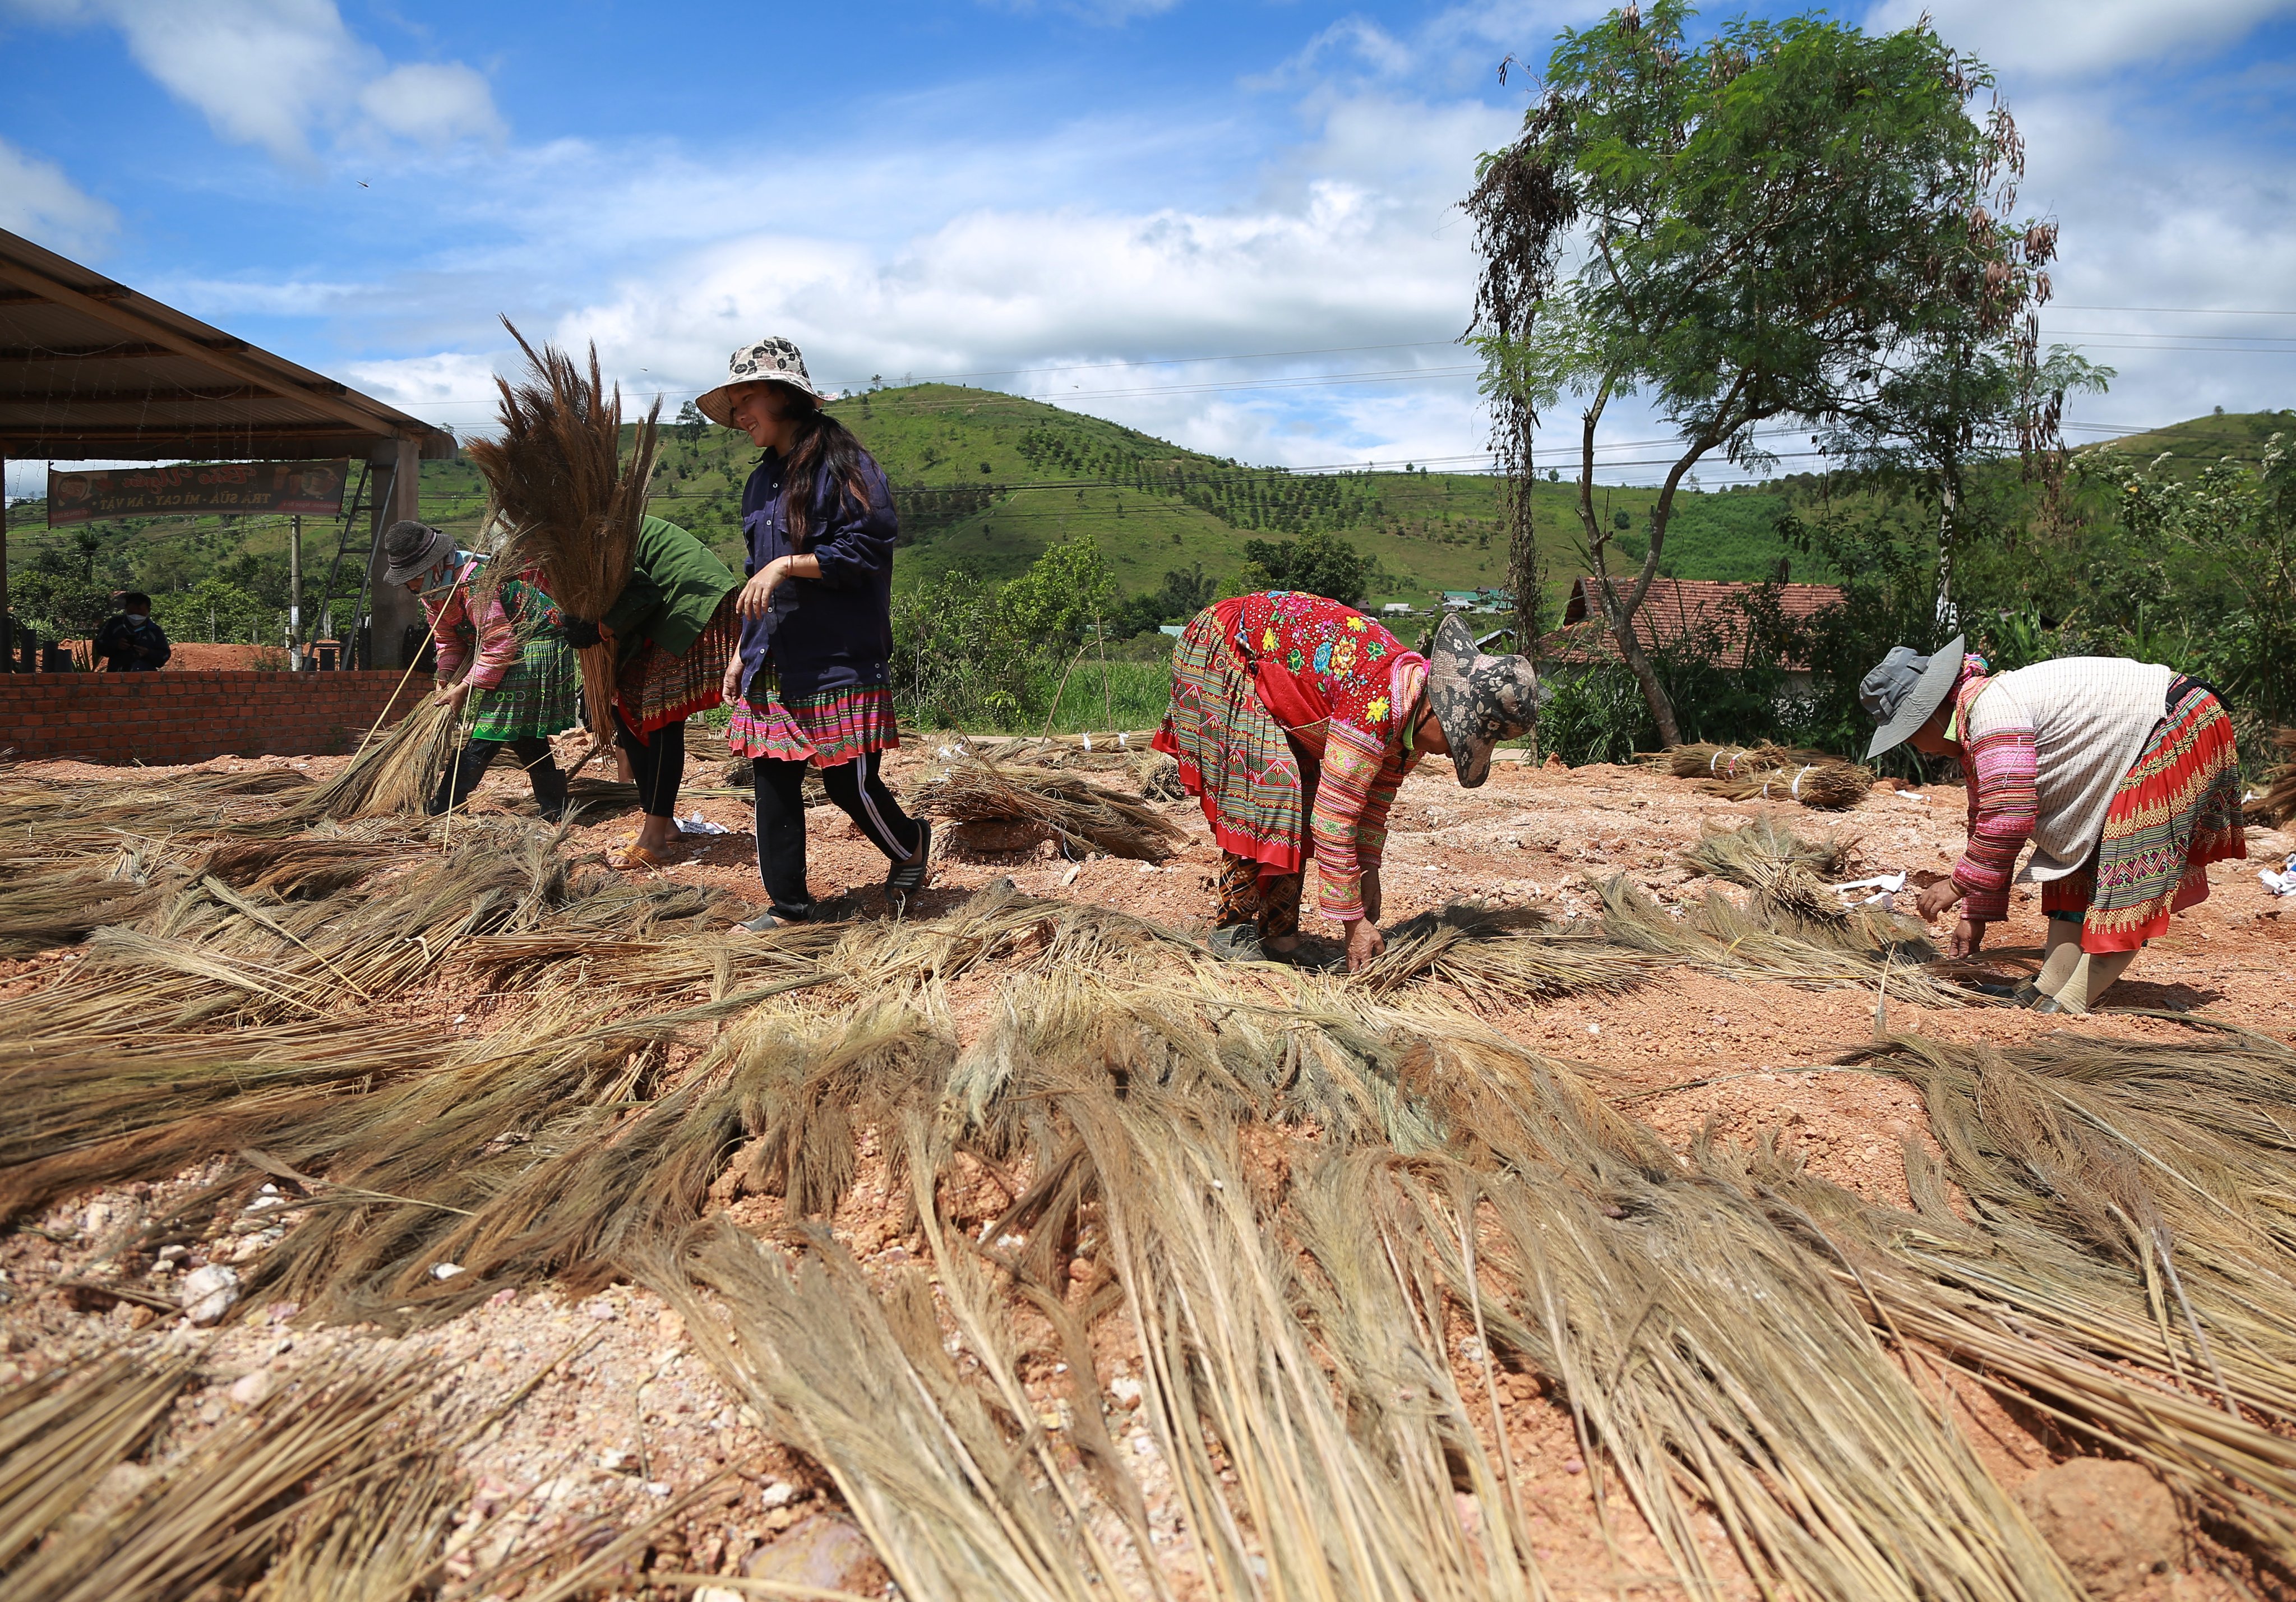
2194,444
985,481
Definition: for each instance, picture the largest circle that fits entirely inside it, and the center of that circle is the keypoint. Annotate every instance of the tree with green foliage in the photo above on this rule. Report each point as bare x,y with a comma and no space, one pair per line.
1759,223
690,423
1064,595
61,593
1321,564
1185,592
214,609
2244,521
1964,395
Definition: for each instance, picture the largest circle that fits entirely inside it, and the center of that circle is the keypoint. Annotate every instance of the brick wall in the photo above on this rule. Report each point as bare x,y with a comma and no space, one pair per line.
189,716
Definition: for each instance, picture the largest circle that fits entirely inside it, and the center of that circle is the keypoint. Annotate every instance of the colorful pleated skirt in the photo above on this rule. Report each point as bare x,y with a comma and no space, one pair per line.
828,729
539,695
2176,810
655,689
1233,756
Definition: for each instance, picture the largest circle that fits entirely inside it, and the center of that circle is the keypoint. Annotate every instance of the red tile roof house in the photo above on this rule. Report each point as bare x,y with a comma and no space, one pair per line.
1677,612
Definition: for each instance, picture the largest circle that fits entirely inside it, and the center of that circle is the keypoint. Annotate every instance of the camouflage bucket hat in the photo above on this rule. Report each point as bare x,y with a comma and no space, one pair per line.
1479,700
772,359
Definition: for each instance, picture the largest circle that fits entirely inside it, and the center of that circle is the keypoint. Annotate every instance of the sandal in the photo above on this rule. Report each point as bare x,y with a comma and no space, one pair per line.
637,859
904,879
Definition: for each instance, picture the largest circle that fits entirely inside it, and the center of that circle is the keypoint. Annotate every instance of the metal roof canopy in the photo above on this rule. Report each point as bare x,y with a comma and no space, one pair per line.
89,369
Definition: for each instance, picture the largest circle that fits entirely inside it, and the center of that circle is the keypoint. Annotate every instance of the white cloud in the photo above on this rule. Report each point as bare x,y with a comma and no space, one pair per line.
273,73
2073,38
37,201
433,101
422,384
1352,242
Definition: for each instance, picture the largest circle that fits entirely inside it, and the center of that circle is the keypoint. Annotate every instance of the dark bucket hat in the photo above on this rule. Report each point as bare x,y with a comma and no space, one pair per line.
1479,700
1902,692
413,549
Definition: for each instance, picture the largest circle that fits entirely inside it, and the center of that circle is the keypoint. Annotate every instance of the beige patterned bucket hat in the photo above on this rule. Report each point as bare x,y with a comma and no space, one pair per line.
1479,700
772,359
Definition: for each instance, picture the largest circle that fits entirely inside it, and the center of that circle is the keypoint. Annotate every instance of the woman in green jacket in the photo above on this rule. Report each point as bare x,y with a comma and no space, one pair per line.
673,628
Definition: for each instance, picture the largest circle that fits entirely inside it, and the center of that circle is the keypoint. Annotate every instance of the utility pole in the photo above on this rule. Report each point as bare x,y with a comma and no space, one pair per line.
295,594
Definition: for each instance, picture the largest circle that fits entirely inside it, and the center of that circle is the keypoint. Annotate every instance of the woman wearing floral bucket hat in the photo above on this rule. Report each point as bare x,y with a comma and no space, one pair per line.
1293,719
2121,774
812,684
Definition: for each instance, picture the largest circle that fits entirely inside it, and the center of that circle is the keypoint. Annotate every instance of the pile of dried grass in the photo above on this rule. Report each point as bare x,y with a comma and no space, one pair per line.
1081,815
214,1518
397,772
1709,761
570,509
2277,805
1301,1200
1768,772
1826,786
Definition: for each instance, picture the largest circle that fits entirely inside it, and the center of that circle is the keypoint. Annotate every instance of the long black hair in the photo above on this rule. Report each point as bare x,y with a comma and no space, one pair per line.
824,447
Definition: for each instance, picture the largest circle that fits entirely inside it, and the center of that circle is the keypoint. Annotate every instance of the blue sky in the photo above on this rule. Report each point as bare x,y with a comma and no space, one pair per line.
1060,199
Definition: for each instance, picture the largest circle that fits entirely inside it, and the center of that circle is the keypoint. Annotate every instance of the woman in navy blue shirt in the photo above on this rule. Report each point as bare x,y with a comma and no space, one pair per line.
812,682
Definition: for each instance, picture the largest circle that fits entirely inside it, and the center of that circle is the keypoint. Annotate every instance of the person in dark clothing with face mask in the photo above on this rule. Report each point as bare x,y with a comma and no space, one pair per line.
812,685
130,641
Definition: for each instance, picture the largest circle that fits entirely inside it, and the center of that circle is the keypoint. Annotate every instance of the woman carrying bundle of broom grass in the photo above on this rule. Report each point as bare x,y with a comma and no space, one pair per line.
812,684
646,605
2123,774
673,629
1294,718
523,684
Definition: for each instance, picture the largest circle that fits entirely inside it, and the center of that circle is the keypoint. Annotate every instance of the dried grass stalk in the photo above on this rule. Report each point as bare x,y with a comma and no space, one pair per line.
61,1433
568,506
214,1517
951,1485
1081,814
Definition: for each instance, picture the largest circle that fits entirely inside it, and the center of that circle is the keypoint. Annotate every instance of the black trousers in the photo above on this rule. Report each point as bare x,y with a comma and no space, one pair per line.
659,762
858,789
471,764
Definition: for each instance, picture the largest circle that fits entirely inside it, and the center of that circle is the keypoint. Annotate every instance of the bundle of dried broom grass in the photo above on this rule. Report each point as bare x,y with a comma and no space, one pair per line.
1082,815
570,508
2277,805
1828,784
398,771
1764,771
1704,760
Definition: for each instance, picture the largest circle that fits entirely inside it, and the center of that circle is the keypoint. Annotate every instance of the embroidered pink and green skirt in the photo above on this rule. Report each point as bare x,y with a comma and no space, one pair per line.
828,729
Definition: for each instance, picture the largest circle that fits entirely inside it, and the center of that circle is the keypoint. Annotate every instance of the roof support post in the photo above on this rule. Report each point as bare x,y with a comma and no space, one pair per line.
7,633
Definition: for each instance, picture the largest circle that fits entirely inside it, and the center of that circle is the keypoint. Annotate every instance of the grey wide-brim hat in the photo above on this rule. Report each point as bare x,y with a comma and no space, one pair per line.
1903,692
1479,700
413,549
772,359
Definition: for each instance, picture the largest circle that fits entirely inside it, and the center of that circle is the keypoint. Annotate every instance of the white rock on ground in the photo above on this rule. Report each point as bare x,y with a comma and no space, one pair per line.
209,1294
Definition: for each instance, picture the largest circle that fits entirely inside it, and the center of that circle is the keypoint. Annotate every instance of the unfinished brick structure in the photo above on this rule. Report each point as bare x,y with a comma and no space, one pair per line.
189,716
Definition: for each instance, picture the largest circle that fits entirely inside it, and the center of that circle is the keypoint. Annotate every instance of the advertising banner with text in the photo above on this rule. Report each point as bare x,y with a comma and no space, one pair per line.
314,489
